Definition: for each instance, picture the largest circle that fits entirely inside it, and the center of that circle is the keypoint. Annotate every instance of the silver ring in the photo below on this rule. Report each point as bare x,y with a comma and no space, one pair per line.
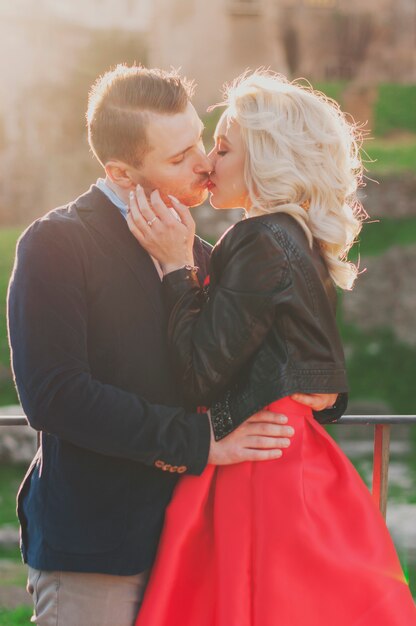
150,222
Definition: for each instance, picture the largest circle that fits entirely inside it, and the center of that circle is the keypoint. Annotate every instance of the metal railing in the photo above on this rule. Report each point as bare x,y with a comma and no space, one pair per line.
381,454
381,451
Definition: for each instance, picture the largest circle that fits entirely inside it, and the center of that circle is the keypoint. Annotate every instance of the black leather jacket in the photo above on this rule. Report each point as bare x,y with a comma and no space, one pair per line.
264,329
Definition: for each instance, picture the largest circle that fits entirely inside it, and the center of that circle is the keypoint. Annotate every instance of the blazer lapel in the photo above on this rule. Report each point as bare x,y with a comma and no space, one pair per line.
96,210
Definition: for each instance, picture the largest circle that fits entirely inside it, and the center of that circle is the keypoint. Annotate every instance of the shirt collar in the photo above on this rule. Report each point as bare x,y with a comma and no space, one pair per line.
112,196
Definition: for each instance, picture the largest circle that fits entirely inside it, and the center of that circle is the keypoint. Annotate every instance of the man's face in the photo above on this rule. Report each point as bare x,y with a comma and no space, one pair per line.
176,163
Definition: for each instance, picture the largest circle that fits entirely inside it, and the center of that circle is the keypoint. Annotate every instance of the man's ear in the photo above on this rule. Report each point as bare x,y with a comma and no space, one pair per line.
120,173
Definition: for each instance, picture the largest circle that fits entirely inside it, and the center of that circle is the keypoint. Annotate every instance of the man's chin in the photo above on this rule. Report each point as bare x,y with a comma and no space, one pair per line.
195,198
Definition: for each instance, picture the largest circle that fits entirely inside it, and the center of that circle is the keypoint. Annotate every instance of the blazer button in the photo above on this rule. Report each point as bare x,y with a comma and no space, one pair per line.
159,464
182,469
174,468
166,467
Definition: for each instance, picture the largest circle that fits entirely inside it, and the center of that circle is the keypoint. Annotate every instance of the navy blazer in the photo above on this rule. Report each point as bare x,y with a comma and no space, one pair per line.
89,349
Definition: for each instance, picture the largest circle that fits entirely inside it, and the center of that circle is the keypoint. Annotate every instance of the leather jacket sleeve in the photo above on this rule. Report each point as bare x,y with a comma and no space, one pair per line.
212,338
333,413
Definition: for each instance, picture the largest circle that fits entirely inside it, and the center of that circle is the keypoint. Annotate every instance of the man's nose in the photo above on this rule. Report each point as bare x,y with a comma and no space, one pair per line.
204,164
211,155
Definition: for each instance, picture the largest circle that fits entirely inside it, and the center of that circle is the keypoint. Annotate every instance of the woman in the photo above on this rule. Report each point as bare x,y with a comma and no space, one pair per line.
299,541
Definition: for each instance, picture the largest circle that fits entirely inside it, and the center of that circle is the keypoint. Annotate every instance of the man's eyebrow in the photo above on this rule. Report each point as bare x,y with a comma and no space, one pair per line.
173,156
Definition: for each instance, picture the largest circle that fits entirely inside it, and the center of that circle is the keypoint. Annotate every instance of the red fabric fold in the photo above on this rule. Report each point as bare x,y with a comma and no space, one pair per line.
293,542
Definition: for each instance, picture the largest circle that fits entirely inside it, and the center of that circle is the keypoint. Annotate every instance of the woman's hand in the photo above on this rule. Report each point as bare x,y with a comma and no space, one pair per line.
316,401
169,238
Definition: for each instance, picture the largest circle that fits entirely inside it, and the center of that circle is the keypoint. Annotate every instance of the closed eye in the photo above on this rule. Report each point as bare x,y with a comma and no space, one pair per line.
178,160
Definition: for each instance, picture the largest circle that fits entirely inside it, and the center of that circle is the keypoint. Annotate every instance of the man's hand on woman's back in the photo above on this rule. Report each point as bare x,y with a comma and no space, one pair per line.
260,438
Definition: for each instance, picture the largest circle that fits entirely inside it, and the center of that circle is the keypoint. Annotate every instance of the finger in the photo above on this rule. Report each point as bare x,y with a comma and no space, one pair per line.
268,417
175,215
304,398
317,405
268,443
262,455
144,206
135,214
133,210
269,430
183,212
330,399
160,209
316,401
142,200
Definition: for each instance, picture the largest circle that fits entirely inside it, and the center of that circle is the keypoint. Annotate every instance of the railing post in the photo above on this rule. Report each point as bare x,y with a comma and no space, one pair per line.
381,465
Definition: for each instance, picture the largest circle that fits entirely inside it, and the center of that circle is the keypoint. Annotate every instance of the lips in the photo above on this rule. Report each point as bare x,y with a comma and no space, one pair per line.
210,185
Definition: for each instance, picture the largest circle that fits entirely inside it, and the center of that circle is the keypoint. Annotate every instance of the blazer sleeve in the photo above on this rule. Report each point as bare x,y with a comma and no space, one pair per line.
212,338
48,331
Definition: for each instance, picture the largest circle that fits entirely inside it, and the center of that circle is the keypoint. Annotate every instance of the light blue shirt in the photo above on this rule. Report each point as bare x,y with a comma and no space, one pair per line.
112,196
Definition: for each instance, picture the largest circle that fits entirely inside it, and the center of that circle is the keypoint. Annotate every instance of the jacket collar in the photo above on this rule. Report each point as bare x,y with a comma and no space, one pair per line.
95,209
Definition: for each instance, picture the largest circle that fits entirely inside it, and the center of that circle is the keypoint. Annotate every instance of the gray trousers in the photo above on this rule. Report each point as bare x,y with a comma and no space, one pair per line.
78,599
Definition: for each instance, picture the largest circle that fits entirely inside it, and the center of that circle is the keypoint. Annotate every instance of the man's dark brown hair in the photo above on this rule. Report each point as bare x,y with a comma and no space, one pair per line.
119,104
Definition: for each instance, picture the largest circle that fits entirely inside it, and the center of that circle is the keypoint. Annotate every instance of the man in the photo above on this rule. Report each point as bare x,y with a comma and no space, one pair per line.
88,339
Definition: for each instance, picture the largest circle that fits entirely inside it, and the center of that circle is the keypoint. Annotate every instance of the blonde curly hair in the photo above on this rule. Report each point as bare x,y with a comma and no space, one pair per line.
302,158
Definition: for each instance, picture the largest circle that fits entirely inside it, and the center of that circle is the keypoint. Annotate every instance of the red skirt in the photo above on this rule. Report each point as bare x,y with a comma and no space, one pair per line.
297,541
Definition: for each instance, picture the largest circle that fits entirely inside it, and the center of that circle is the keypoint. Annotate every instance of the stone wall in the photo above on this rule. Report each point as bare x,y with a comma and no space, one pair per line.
385,295
367,42
211,43
390,196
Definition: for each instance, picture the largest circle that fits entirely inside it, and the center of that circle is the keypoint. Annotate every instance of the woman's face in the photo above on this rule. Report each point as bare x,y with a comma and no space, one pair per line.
227,186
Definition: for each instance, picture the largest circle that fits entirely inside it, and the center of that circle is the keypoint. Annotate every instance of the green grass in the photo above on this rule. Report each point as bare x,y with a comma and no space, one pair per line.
410,573
13,572
378,236
17,617
390,156
8,395
10,554
395,109
380,367
8,238
333,90
210,121
10,478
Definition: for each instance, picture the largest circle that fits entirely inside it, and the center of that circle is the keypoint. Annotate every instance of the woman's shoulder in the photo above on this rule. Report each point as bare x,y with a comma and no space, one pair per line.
249,248
244,228
272,229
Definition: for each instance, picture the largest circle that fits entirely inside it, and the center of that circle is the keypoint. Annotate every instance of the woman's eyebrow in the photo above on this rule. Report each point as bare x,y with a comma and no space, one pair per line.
222,138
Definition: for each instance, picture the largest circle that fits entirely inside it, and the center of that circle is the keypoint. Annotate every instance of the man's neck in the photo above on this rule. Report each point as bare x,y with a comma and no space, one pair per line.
122,193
